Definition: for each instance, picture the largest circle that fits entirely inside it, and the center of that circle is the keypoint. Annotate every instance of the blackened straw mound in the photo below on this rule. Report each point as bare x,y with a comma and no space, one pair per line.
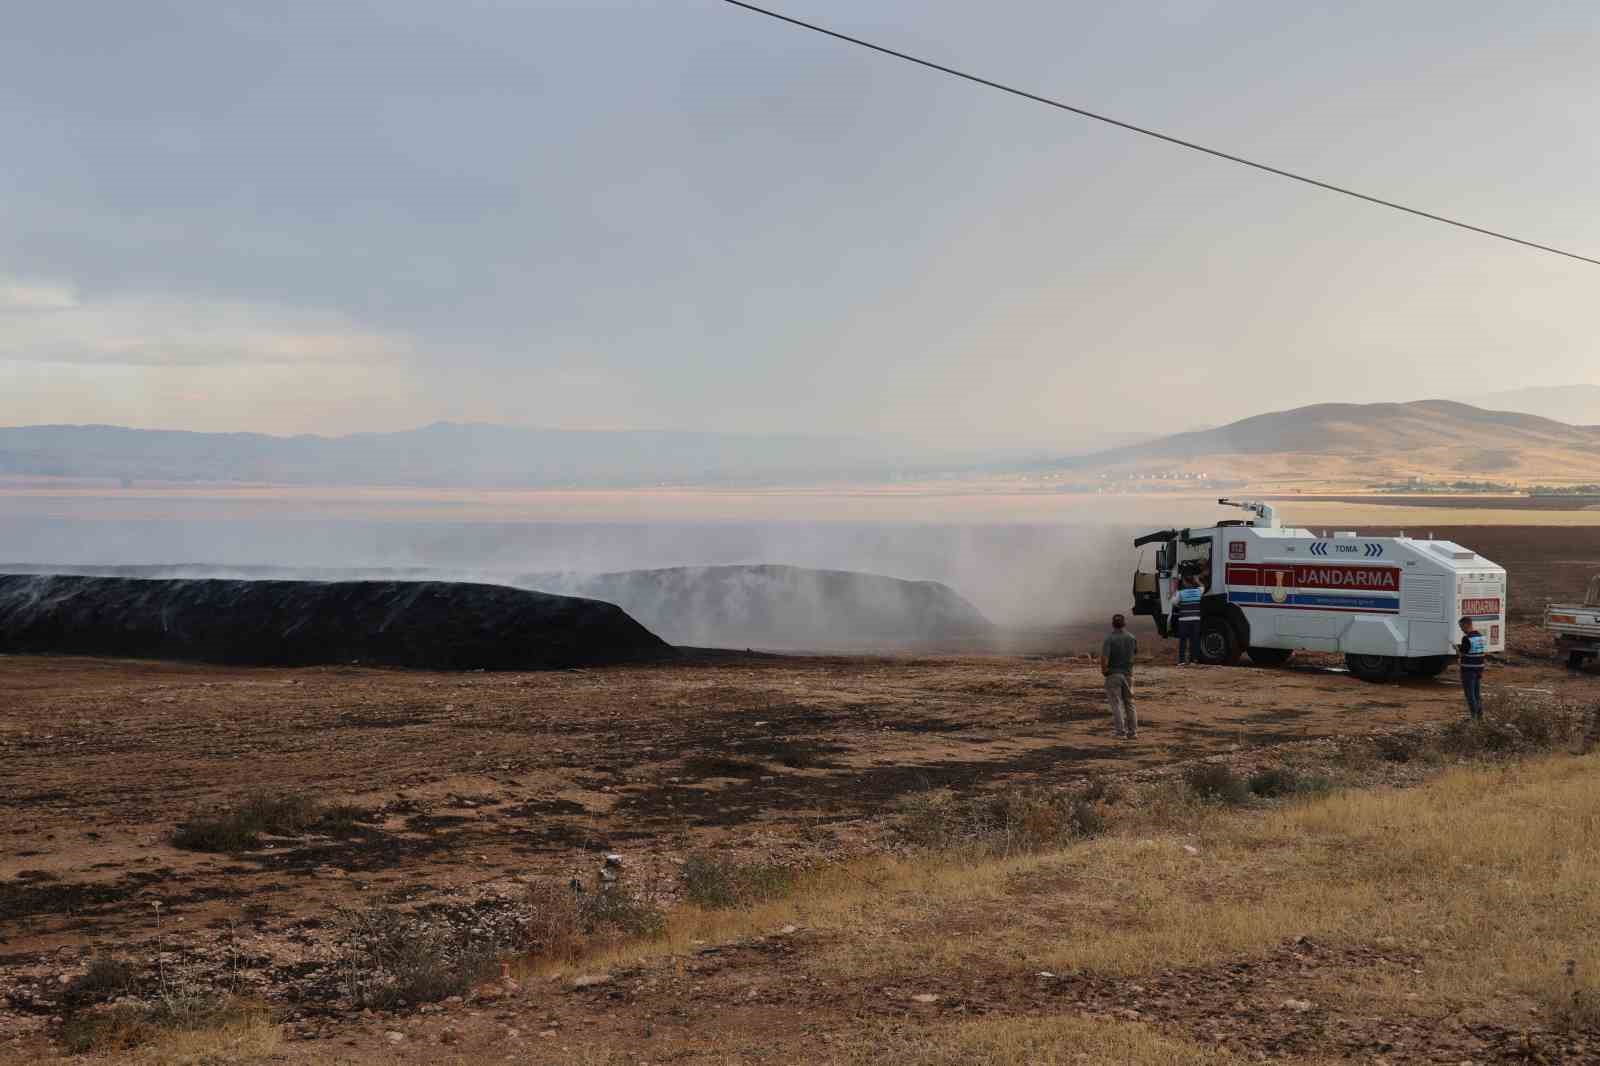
426,624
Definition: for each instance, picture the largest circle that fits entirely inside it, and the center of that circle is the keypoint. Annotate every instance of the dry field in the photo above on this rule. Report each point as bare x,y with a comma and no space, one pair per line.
836,860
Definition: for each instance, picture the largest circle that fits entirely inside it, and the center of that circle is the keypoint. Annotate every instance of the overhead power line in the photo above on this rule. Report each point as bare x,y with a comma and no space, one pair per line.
1158,135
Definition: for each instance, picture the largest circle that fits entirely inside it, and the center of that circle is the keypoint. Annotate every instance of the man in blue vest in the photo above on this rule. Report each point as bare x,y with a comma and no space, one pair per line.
1186,608
1473,650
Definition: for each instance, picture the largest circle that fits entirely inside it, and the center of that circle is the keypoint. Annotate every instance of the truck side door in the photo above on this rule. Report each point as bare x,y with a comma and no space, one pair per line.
1166,560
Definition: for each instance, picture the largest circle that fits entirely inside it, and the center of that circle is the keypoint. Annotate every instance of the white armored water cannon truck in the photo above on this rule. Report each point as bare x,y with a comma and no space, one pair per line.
1389,604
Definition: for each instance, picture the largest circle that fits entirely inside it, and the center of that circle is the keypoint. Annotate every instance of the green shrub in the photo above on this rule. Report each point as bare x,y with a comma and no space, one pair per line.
797,755
389,958
1578,1010
566,919
119,1029
1273,781
106,978
341,819
622,913
555,920
1312,785
240,827
218,834
125,1027
1279,781
1102,790
1010,822
1535,725
1396,749
711,881
1216,782
698,766
1467,737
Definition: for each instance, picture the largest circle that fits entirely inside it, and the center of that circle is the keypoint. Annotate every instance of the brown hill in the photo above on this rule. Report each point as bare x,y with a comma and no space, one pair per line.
1368,442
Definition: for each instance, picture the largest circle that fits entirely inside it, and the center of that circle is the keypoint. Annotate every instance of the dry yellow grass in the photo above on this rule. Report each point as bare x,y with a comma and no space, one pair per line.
1032,1041
254,1038
1489,873
1060,1041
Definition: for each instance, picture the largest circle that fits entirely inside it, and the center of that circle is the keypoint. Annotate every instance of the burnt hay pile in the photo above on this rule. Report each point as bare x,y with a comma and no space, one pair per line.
425,624
781,607
774,607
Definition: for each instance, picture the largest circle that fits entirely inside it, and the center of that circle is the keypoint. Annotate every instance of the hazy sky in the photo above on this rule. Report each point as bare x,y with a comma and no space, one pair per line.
329,216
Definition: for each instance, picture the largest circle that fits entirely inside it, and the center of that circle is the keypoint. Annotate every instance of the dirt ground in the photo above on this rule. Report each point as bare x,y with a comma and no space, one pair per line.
479,781
482,776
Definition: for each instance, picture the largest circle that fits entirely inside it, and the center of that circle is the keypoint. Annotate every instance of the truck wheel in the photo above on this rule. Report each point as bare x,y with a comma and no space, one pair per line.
1372,667
1218,646
1270,656
1427,666
1575,660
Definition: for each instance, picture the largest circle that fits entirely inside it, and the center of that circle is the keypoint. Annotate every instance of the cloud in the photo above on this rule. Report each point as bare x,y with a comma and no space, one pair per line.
27,296
158,330
277,398
742,227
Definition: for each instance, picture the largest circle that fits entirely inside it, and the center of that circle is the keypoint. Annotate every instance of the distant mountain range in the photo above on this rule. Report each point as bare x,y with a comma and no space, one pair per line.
1329,442
442,454
1341,441
1577,405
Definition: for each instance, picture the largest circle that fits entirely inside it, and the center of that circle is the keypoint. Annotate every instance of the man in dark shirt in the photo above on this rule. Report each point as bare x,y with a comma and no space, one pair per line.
1473,650
1116,663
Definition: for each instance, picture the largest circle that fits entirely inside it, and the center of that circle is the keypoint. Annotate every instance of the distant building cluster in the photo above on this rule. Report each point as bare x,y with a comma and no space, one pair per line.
1159,481
1426,485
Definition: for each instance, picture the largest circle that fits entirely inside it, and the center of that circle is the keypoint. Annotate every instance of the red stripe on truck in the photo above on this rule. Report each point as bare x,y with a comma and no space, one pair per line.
1342,576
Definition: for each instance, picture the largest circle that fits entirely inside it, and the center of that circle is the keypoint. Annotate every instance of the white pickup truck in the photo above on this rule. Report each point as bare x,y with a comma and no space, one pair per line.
1577,626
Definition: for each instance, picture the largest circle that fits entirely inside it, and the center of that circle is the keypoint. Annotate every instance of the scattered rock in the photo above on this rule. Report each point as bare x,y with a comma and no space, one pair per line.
1299,1006
394,1036
591,980
924,997
1190,849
